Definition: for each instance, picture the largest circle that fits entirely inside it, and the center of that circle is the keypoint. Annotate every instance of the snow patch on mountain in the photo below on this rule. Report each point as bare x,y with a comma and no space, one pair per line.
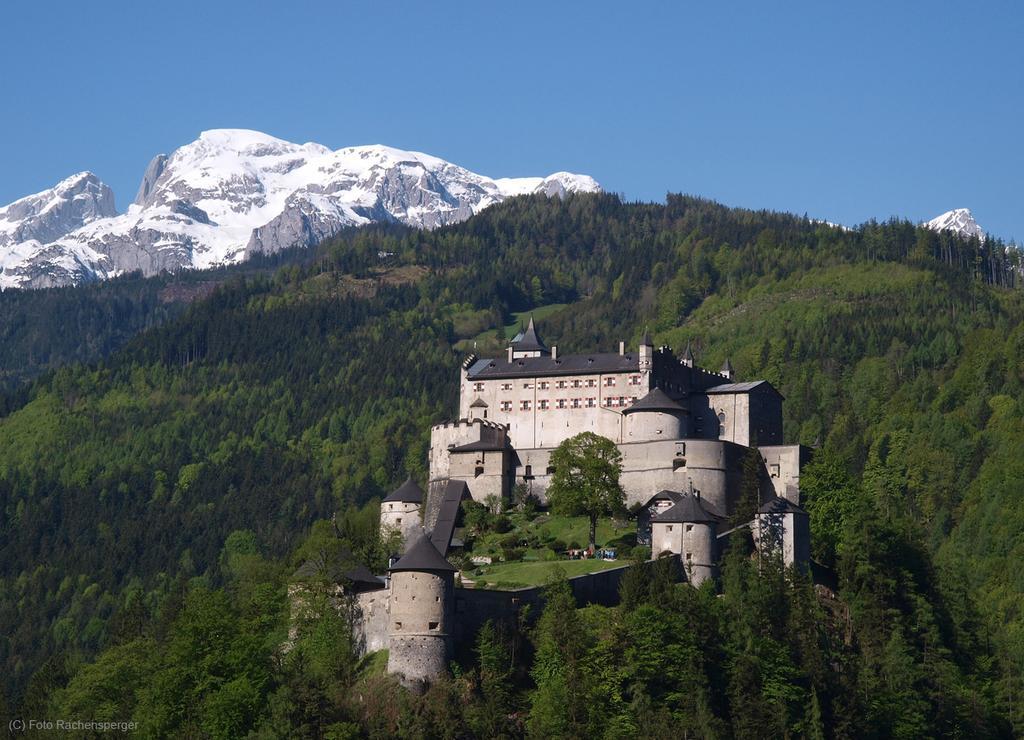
232,193
960,221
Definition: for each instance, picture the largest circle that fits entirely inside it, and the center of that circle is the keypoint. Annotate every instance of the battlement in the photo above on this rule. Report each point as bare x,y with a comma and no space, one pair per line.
467,423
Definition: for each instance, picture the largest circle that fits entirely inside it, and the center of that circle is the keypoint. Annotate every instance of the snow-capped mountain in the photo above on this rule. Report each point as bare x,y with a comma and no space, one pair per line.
232,193
30,226
959,221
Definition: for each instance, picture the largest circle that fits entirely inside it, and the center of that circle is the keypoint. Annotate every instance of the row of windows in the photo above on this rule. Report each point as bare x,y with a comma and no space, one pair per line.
609,382
569,403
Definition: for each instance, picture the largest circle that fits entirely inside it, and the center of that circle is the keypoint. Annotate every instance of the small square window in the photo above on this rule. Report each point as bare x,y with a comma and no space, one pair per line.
398,625
433,625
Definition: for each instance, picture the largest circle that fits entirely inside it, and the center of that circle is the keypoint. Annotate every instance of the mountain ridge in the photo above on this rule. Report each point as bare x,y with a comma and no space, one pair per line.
233,193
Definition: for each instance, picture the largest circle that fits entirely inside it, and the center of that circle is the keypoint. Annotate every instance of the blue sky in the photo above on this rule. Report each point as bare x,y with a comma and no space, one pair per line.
844,111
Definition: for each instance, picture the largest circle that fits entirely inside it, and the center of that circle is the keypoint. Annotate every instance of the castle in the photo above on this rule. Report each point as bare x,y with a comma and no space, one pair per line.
684,433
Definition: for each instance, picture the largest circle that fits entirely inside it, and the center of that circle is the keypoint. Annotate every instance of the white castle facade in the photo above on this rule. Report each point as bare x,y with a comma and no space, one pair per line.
679,427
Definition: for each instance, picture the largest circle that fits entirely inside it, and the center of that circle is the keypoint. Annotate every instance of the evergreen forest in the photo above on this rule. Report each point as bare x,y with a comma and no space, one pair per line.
173,448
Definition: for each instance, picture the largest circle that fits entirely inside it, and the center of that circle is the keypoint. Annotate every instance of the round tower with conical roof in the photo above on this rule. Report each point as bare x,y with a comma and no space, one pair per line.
400,511
655,417
689,529
420,607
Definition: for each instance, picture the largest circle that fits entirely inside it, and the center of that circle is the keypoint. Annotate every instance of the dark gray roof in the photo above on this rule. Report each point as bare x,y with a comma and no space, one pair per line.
409,492
528,340
664,495
480,446
422,555
688,509
779,505
688,354
528,367
646,340
347,570
726,367
441,536
478,404
742,387
655,400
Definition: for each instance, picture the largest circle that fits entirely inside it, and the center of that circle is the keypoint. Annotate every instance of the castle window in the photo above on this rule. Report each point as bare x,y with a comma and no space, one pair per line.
506,386
506,405
591,383
668,528
634,380
560,384
544,404
398,520
433,625
478,471
689,556
560,403
721,423
550,470
577,383
609,382
774,471
591,403
689,527
544,385
576,403
398,625
524,405
478,386
527,386
679,464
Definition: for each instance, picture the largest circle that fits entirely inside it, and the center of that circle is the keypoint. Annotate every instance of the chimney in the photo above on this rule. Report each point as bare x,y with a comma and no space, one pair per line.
622,348
554,353
510,354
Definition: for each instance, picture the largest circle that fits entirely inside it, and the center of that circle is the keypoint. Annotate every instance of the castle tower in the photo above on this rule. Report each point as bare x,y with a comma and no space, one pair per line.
655,417
727,370
688,355
527,344
646,355
690,530
400,511
420,611
781,525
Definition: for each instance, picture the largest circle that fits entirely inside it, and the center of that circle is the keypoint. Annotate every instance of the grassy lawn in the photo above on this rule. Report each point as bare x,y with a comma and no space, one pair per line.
570,530
534,538
536,572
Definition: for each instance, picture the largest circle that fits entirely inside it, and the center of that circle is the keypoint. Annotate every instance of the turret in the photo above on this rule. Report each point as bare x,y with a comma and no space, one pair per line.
527,343
400,511
654,417
420,608
646,355
688,355
726,370
689,529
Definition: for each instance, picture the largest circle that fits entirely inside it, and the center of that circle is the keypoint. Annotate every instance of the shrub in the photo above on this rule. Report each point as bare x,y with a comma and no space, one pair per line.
640,552
477,517
510,554
557,546
502,524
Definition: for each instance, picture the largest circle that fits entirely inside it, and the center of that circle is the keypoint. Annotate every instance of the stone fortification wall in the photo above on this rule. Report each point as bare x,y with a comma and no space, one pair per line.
371,627
473,607
711,466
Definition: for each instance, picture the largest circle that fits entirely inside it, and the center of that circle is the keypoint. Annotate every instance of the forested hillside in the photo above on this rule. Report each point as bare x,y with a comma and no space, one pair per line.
168,490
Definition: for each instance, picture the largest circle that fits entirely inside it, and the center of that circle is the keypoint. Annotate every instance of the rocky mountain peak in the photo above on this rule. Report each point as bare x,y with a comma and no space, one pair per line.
960,221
